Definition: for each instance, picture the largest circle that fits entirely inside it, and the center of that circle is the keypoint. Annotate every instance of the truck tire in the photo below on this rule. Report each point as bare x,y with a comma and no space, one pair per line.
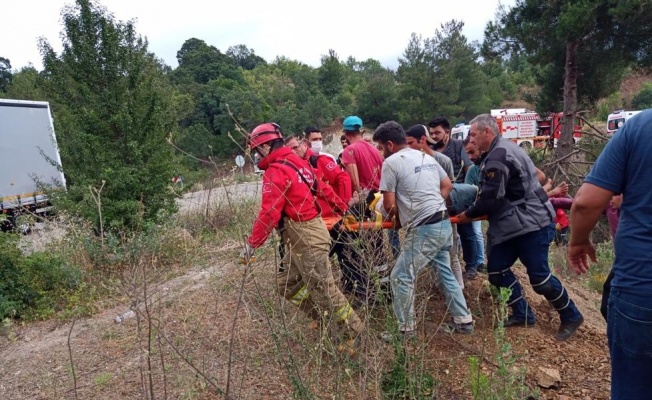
6,225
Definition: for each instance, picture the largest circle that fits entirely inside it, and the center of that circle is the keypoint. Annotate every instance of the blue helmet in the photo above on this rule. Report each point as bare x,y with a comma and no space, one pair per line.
352,123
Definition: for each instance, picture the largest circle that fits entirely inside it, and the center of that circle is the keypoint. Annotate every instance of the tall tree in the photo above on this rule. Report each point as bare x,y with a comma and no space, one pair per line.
457,58
113,109
244,57
377,94
441,76
27,84
331,74
200,63
416,78
5,74
582,48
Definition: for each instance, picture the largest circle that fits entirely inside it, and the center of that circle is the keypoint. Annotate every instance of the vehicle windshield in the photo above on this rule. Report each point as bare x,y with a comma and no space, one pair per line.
615,124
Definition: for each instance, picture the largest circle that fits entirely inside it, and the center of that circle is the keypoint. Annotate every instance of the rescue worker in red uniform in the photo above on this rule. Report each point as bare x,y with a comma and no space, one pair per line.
326,170
288,199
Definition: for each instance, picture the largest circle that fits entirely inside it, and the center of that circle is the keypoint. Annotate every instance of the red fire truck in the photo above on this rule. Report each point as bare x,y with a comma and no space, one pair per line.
529,129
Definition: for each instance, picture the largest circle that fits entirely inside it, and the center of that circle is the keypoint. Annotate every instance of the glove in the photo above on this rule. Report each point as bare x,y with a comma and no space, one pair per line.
247,255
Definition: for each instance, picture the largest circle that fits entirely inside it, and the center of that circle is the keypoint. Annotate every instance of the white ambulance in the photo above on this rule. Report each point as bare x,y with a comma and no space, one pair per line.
617,119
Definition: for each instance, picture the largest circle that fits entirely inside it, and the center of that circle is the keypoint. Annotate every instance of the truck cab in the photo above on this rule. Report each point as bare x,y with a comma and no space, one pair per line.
617,119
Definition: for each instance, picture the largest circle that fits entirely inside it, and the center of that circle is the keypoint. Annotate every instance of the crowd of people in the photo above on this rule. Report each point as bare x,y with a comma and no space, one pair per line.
418,179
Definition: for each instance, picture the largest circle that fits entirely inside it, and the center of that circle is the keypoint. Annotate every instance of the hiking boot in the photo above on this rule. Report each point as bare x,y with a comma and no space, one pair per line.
452,327
568,328
515,321
405,336
471,274
352,346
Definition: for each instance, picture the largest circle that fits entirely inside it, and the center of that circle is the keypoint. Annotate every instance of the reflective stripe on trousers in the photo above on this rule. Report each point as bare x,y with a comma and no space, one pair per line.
300,296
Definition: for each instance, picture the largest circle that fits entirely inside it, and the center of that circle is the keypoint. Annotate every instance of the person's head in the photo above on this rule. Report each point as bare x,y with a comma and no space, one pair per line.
483,131
314,138
390,138
265,138
297,145
344,141
471,149
352,126
418,137
440,130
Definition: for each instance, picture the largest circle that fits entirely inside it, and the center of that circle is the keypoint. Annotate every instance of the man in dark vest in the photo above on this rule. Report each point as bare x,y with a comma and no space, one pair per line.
520,226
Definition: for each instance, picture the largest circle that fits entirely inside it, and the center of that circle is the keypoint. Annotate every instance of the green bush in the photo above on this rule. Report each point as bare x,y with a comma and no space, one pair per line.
113,110
643,99
33,286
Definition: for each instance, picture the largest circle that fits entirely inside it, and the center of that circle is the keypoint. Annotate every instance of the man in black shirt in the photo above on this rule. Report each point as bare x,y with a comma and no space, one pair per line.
473,253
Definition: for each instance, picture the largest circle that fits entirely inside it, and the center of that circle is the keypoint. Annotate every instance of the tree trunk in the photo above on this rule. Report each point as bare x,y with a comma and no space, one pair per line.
565,142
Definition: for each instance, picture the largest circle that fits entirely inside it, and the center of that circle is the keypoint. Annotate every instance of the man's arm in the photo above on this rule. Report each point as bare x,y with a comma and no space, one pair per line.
352,170
541,177
588,205
492,192
445,187
389,204
466,161
273,201
339,180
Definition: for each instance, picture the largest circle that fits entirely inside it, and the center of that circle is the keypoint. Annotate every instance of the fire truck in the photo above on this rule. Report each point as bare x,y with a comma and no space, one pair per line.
530,130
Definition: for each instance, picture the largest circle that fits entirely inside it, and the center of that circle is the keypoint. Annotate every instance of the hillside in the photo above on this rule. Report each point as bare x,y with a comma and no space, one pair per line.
189,332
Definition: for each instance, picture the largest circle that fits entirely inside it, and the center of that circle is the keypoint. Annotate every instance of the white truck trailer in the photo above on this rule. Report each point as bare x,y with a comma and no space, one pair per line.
29,157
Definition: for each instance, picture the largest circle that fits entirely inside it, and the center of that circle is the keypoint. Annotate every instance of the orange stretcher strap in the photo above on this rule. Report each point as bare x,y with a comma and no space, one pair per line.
332,221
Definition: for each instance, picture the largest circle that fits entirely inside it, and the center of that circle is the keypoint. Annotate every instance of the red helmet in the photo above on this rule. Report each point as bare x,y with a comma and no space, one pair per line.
264,133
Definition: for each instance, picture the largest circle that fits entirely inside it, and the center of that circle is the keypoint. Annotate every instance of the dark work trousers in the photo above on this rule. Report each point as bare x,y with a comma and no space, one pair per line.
532,249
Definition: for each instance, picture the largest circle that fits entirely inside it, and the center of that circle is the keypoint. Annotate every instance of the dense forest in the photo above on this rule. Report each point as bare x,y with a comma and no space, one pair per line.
122,115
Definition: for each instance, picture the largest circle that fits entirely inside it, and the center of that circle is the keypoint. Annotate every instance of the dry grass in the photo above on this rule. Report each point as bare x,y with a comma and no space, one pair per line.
204,325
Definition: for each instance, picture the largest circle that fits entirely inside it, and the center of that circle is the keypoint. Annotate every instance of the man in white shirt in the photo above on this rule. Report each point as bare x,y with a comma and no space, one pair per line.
414,187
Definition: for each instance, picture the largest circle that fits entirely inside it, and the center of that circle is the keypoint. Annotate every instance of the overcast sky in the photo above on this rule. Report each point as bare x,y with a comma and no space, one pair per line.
301,31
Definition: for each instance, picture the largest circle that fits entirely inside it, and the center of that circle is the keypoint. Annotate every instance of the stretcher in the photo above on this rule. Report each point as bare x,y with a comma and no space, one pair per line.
333,222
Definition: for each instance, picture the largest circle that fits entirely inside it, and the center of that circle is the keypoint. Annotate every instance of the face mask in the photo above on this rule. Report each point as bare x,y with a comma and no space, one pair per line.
440,144
316,146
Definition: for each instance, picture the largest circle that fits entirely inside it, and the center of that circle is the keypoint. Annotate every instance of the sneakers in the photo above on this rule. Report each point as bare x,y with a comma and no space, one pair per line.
452,327
568,328
405,336
470,274
515,321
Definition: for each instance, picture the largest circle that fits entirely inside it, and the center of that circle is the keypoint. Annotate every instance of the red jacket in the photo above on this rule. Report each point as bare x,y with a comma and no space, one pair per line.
561,219
284,194
330,174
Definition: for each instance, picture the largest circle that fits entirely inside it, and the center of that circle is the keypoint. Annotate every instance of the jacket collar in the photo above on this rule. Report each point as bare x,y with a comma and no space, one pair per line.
275,155
494,143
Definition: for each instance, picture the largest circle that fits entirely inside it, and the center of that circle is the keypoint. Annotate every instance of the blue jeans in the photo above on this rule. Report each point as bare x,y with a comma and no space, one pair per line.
472,245
629,330
479,240
426,245
532,249
394,242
